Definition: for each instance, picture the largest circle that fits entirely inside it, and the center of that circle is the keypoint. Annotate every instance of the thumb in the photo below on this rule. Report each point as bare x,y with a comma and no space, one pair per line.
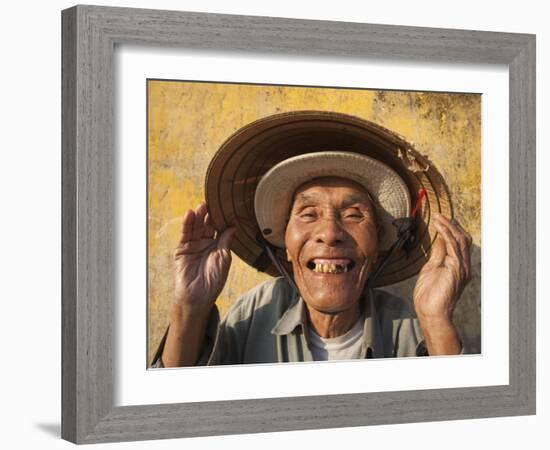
438,252
224,242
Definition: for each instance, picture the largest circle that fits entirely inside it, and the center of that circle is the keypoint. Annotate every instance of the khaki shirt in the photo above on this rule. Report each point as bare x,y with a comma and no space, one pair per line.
269,324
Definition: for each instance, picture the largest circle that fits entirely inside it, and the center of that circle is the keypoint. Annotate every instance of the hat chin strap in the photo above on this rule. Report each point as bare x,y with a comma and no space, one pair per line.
405,239
268,255
406,227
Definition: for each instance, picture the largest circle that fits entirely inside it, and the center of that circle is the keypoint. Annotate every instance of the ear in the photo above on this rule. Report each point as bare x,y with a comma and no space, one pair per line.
379,229
288,258
379,232
380,235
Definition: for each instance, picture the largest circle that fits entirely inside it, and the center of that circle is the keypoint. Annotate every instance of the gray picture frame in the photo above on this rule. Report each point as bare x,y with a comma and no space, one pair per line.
90,34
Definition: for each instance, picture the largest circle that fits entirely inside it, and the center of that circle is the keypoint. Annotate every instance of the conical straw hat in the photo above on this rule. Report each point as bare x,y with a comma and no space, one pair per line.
251,152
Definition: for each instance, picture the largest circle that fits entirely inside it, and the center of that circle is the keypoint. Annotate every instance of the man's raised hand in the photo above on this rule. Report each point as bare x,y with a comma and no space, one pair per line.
202,260
440,284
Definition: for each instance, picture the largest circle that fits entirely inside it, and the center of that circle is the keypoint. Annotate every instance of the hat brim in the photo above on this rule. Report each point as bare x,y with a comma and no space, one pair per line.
275,191
247,155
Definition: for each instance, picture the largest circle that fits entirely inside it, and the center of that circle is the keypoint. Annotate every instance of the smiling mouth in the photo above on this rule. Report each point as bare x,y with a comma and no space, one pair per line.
331,266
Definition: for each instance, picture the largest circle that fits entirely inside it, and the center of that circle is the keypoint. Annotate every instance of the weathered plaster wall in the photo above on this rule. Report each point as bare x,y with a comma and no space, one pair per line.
189,121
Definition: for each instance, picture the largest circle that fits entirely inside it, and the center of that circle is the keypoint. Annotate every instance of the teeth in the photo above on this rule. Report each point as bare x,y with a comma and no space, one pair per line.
330,268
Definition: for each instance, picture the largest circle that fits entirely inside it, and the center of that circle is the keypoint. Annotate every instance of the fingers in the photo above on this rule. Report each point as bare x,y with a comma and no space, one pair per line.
208,229
463,238
439,252
192,247
450,242
197,225
199,222
226,238
187,227
456,229
457,242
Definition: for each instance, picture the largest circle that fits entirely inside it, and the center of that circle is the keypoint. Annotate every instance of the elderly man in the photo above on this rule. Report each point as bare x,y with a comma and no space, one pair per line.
333,219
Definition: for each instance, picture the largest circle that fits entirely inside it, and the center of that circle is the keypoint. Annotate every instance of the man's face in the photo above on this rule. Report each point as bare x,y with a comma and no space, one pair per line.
331,241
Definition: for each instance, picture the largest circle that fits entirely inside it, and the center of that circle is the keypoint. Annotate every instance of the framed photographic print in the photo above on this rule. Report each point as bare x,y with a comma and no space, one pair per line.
186,124
163,109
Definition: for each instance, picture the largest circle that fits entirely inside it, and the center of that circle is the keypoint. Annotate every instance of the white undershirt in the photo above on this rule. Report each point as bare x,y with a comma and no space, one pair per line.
346,346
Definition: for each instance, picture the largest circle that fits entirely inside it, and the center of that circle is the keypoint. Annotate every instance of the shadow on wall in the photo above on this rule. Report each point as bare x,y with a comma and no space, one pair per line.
467,316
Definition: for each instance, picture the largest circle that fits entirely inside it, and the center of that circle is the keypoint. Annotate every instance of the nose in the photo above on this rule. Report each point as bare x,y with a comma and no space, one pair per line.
329,231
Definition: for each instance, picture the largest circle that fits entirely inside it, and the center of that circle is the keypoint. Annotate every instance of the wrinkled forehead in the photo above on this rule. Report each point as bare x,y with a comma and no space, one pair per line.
319,189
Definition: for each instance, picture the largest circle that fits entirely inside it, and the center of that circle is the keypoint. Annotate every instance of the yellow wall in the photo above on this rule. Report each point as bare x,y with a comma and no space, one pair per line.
188,121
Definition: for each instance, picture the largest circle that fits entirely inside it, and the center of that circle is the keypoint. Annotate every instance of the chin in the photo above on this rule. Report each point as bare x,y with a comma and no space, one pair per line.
330,302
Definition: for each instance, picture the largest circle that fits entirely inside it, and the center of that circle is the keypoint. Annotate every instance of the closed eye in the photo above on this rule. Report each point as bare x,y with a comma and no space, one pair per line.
308,215
353,213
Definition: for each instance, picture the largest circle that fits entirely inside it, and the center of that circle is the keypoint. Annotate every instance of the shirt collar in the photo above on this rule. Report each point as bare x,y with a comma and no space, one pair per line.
296,316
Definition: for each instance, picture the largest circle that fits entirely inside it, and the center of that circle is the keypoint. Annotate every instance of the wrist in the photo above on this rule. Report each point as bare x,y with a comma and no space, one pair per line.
181,312
439,320
185,334
441,336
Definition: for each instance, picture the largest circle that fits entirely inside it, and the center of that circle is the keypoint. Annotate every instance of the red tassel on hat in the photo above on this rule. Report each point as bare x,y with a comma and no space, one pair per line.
421,196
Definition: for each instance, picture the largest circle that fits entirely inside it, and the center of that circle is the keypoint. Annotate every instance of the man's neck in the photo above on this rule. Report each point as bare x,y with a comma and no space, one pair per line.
334,324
